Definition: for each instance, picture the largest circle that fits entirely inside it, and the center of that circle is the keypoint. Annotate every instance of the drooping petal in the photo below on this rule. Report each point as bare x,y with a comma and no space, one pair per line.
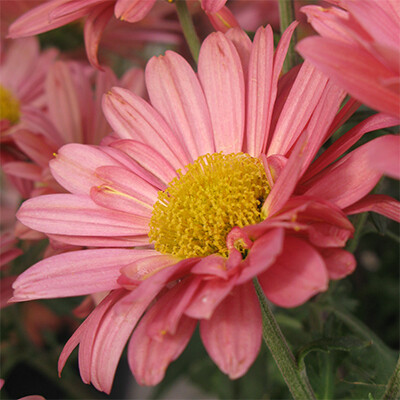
339,262
379,203
133,10
212,6
298,274
149,358
232,344
221,76
94,27
354,69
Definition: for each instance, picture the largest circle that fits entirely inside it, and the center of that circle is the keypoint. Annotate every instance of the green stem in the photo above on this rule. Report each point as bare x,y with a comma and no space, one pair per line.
295,377
189,32
393,386
359,223
286,16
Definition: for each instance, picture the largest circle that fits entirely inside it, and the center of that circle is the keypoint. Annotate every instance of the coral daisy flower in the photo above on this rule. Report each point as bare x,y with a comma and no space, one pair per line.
358,49
210,186
23,71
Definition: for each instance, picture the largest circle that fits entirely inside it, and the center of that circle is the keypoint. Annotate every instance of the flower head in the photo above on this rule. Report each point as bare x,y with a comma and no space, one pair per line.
207,187
358,49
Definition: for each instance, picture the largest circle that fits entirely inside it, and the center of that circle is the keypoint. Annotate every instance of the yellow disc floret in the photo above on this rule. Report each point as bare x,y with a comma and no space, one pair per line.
9,106
217,192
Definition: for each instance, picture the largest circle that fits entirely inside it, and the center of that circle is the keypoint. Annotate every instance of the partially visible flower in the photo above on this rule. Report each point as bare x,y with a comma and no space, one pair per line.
23,70
359,49
74,116
56,13
209,186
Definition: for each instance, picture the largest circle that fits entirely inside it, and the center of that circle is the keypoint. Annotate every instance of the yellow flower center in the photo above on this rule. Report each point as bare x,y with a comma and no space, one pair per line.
9,106
217,192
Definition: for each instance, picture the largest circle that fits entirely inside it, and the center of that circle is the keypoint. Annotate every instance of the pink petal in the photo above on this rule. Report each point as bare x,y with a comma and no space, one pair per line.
232,344
74,273
212,6
378,203
132,118
6,291
354,69
149,358
221,76
261,91
94,27
339,262
148,158
68,214
350,178
133,10
243,46
384,156
262,254
23,170
75,165
304,96
223,20
340,146
298,274
175,92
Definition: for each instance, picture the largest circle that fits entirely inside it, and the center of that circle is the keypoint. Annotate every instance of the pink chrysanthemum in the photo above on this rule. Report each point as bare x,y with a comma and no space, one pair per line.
210,185
55,13
23,71
359,49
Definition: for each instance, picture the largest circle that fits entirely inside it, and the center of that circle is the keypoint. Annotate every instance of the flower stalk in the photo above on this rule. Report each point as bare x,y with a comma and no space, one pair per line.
295,376
393,386
188,29
286,17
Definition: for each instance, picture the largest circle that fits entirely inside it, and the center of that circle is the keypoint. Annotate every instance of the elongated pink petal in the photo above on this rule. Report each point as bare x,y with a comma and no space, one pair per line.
350,178
74,167
340,146
379,203
133,10
175,92
261,93
231,344
298,274
243,46
94,27
262,254
221,76
24,170
6,291
287,180
149,358
133,118
299,106
74,274
148,158
355,70
212,265
99,241
68,214
339,262
38,20
223,20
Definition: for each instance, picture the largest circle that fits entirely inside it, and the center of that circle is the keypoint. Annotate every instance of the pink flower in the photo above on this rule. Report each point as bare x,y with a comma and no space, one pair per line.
359,49
74,115
56,13
23,70
209,186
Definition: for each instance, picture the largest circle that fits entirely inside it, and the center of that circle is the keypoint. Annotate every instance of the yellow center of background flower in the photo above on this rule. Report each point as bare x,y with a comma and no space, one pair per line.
9,106
194,215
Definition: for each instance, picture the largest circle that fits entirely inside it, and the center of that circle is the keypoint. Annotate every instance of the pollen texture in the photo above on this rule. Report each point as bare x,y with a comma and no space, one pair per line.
9,106
215,193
